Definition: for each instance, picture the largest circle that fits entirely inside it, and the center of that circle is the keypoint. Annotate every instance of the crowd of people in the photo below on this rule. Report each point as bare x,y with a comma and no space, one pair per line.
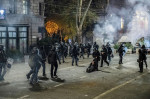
57,53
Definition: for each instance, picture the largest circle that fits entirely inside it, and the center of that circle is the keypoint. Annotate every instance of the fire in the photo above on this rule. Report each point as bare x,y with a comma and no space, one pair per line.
51,27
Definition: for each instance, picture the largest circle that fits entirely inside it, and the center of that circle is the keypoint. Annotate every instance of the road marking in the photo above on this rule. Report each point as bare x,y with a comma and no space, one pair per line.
83,77
58,85
23,97
117,87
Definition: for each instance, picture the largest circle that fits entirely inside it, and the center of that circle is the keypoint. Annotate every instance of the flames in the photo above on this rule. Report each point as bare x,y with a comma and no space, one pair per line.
51,27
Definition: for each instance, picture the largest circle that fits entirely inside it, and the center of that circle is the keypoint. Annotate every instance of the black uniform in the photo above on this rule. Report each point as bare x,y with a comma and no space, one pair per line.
104,56
88,50
141,59
121,51
3,60
109,54
62,50
66,50
52,59
95,46
96,56
145,52
70,49
81,51
75,55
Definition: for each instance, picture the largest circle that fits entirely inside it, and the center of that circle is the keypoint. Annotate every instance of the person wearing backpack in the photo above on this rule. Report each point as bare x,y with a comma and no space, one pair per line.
3,60
34,63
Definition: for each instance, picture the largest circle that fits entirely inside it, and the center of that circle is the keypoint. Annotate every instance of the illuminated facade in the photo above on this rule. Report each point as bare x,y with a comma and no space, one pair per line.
20,27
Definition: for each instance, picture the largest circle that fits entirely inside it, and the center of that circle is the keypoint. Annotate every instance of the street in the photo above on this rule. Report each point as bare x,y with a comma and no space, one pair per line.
110,82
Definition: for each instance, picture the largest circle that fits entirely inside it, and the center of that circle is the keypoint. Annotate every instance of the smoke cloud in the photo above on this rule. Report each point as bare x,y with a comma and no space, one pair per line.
131,20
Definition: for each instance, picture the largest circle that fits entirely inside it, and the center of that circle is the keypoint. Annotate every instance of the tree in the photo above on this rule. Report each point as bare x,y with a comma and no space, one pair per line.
73,16
80,19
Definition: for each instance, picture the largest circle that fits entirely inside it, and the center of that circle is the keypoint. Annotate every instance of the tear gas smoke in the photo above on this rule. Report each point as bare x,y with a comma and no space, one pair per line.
133,18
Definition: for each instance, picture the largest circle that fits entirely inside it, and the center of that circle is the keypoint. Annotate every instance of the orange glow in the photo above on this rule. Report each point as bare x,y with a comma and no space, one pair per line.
66,38
51,27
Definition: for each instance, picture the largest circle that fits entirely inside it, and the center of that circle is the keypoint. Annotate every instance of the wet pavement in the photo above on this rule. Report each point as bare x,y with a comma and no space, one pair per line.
110,82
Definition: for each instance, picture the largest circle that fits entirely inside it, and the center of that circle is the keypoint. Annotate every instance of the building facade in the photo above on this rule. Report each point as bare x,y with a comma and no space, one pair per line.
20,23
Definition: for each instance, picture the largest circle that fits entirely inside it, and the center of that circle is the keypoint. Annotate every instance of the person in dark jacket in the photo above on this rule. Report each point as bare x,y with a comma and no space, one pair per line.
62,51
121,51
95,46
3,60
81,51
142,57
66,50
104,56
109,53
52,59
88,49
144,53
96,56
74,55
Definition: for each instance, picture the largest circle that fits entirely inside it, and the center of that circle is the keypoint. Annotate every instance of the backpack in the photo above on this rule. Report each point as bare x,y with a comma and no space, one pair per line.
31,60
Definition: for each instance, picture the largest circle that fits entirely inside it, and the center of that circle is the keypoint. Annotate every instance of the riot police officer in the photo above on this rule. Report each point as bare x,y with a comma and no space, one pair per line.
109,54
35,62
104,56
3,60
95,46
66,50
62,50
96,56
121,51
142,57
88,50
145,52
75,55
81,51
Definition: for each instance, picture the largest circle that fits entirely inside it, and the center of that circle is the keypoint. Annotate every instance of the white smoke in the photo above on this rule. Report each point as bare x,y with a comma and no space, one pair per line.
135,16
